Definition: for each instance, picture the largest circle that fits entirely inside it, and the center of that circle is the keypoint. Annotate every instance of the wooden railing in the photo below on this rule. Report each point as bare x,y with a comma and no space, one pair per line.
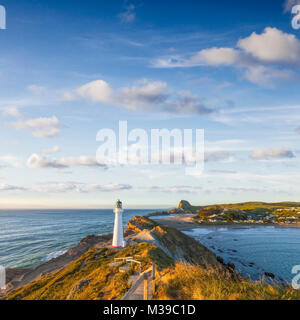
131,260
145,277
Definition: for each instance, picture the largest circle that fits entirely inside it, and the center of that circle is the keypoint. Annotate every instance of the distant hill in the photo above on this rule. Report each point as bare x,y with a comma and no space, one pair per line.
186,206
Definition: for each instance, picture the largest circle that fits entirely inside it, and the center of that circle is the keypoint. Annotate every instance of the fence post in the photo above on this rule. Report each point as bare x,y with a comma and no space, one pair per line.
146,288
153,279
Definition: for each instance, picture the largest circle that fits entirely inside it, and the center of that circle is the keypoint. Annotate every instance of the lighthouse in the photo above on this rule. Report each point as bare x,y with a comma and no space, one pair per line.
118,239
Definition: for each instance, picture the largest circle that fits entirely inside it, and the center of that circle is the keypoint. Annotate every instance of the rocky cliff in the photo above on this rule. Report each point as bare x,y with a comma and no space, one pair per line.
186,206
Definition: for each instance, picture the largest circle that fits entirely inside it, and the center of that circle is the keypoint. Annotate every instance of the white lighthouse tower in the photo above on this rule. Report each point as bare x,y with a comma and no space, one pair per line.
118,239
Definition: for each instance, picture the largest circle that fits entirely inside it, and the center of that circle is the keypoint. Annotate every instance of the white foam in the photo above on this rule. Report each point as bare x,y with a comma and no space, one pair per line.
53,255
198,231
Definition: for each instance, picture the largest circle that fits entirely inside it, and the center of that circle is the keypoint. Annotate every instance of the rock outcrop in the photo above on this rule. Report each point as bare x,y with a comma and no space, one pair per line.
173,242
187,207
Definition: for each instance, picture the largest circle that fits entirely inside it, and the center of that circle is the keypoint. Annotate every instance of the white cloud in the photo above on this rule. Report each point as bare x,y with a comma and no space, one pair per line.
40,127
269,154
106,188
7,187
272,45
206,57
52,150
128,15
253,56
217,56
214,57
187,103
11,112
144,96
265,76
36,161
96,91
69,186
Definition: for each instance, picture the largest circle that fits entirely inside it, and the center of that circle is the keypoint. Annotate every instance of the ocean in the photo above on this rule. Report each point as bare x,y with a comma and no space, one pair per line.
28,238
254,249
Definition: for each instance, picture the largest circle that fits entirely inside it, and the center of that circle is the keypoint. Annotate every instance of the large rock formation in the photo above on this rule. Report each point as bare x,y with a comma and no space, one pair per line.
174,243
185,205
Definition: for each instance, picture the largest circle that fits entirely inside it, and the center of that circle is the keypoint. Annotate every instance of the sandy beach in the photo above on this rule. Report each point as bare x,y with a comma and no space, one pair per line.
180,222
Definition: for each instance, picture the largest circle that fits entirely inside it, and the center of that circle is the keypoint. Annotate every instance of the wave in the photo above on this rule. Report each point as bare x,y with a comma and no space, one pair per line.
53,255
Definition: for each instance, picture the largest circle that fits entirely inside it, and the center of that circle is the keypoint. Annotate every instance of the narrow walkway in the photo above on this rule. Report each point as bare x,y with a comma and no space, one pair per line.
138,294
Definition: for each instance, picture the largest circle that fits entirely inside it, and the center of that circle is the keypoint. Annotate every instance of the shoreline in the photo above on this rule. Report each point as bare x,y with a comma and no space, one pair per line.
185,223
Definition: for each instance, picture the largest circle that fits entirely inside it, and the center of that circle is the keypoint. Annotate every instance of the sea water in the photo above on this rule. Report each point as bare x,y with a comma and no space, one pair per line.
28,238
254,249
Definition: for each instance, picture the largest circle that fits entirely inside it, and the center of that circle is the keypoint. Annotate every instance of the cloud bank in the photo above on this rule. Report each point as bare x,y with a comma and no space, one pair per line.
144,96
263,58
269,154
40,127
36,161
69,186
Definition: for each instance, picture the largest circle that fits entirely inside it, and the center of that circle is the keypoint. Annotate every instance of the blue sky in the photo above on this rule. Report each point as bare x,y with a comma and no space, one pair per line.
71,68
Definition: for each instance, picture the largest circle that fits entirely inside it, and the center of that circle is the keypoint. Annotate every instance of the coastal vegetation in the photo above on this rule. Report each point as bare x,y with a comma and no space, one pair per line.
192,282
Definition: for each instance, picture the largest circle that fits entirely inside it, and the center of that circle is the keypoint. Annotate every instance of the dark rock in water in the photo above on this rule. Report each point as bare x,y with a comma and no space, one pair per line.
270,275
231,266
212,247
234,250
221,260
220,250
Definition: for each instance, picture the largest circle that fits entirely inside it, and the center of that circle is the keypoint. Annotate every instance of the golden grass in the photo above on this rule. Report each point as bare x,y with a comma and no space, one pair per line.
90,277
190,282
